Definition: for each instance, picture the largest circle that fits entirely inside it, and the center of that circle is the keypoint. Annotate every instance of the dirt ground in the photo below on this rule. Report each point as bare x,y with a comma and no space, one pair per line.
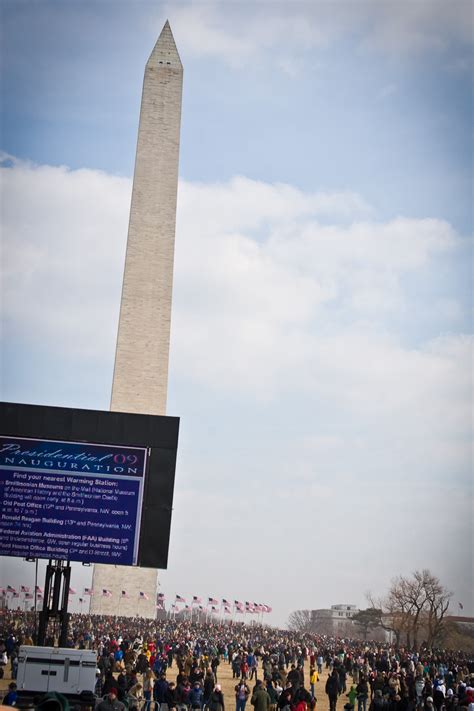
224,677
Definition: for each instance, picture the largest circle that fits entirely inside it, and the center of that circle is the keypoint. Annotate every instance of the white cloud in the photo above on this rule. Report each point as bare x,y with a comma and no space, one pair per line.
240,36
265,294
63,237
280,297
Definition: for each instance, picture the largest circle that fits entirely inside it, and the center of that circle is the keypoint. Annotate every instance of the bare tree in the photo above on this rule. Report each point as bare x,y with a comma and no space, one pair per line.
394,617
301,621
437,599
413,604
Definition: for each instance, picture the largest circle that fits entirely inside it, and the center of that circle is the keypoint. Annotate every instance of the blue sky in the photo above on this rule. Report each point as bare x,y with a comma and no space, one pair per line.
322,304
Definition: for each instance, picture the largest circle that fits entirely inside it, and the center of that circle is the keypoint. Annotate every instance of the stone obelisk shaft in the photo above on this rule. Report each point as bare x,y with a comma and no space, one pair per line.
140,380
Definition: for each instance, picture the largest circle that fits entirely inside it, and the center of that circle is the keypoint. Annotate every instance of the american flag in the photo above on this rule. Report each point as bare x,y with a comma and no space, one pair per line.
197,599
237,603
213,609
124,593
239,607
178,598
2,591
267,608
24,589
212,601
106,593
72,591
161,596
187,607
15,594
28,596
39,590
227,610
143,595
10,589
88,591
225,602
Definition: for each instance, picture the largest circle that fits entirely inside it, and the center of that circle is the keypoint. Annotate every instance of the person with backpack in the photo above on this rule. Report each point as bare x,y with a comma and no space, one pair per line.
362,689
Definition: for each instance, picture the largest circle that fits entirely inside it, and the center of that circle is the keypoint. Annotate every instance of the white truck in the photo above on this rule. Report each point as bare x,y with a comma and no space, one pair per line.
71,672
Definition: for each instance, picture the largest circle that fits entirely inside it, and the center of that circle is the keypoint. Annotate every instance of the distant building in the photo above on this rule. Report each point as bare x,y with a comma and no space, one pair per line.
466,624
336,620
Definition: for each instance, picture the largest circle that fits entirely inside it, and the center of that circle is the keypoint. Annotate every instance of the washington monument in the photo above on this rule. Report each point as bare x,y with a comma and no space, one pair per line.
140,381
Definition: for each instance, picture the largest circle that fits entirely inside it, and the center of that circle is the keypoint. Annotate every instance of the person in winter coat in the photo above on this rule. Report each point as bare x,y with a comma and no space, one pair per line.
362,689
135,697
159,691
208,687
260,698
111,703
216,700
332,689
242,692
378,702
284,700
11,696
195,696
148,686
294,677
170,696
272,692
352,695
313,678
300,706
214,664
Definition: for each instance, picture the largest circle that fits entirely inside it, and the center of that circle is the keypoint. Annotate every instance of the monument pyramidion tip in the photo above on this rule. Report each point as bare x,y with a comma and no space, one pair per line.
165,53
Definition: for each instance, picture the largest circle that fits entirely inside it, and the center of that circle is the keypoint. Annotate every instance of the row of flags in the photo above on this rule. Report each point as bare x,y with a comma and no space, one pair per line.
223,604
108,593
28,594
212,604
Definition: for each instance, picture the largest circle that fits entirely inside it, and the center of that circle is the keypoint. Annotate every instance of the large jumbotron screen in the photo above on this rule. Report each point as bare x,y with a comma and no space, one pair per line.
86,485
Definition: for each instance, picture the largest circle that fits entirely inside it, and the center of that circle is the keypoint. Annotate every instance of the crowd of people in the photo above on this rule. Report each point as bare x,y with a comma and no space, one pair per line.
175,665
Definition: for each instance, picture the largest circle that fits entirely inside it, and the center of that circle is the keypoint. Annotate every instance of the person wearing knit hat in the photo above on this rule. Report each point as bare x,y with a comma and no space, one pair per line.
110,702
